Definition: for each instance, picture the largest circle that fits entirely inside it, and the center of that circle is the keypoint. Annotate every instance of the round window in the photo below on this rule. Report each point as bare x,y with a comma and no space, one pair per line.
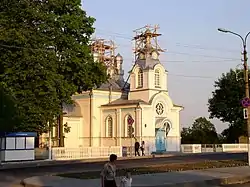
159,109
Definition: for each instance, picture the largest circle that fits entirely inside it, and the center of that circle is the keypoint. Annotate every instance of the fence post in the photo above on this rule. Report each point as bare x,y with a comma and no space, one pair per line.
223,149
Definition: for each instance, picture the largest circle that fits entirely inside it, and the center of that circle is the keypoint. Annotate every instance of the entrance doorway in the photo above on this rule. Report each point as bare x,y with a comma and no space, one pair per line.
160,137
160,140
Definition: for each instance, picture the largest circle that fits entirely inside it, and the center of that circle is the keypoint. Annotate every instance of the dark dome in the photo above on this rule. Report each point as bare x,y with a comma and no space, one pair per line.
119,57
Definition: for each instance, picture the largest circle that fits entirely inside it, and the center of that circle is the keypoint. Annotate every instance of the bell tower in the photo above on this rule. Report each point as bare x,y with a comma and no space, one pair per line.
148,75
104,52
146,42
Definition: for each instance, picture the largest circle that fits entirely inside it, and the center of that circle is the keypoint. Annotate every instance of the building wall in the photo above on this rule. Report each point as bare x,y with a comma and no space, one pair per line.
105,140
144,124
74,138
98,118
171,115
84,102
93,118
149,123
120,136
148,89
173,143
94,126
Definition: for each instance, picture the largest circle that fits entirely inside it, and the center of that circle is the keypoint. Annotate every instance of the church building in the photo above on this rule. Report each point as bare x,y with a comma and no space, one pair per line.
121,112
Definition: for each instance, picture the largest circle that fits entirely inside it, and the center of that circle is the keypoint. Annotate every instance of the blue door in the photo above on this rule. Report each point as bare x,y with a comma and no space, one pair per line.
160,140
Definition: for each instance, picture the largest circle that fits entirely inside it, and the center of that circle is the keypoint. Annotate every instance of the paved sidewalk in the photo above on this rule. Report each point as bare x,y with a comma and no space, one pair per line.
195,178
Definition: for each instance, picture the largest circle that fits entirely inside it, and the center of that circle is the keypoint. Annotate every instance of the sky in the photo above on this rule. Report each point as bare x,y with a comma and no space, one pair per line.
196,53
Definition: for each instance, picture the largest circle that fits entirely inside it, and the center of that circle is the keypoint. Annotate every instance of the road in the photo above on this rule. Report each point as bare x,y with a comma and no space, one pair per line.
18,174
238,185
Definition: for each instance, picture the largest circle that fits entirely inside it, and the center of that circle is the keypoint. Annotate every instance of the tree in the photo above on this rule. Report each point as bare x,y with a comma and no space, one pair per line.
186,136
225,103
202,131
71,34
8,112
222,139
45,57
232,134
25,65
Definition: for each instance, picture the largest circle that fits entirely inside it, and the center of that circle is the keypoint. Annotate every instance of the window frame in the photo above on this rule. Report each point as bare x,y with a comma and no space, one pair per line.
140,78
109,127
157,79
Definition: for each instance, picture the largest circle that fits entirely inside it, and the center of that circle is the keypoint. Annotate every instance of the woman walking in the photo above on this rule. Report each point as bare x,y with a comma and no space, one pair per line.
108,173
143,148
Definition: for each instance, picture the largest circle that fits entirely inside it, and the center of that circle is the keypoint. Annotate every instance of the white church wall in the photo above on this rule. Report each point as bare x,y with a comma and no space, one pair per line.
148,89
74,138
174,125
92,131
126,112
148,123
104,138
101,98
173,144
148,128
126,140
84,102
163,77
172,117
134,95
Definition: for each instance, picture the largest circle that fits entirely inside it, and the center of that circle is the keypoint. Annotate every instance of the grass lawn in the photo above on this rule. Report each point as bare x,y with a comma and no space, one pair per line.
162,168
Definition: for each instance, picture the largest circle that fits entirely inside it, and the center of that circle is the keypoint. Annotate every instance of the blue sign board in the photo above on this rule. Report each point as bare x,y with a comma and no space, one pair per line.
18,134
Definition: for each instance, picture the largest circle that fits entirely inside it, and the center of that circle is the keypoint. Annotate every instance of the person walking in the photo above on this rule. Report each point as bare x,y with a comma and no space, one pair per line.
137,147
143,148
108,172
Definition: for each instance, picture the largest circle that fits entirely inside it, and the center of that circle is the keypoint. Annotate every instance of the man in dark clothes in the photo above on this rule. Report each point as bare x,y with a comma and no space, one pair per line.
137,147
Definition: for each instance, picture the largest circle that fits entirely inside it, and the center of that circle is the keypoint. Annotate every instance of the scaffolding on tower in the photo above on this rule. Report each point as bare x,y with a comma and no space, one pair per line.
145,38
104,51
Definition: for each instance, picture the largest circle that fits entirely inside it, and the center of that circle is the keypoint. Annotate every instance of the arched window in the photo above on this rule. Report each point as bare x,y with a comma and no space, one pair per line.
109,127
168,127
130,131
129,126
140,78
157,78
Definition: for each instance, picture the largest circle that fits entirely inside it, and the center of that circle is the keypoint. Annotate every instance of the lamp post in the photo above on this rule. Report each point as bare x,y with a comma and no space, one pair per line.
246,78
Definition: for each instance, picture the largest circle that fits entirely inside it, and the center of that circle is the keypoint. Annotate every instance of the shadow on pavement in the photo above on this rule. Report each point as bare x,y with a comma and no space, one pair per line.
209,177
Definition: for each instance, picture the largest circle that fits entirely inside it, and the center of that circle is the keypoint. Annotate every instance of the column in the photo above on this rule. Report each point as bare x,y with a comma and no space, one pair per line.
138,123
90,117
101,128
118,126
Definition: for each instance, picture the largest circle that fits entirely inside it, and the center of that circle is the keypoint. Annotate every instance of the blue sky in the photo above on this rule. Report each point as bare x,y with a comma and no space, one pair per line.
194,46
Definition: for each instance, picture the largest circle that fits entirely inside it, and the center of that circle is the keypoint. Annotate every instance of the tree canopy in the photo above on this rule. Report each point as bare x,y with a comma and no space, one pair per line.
8,112
45,57
225,103
202,131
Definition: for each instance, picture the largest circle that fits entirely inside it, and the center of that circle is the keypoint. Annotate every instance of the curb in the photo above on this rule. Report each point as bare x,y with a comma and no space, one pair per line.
210,182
